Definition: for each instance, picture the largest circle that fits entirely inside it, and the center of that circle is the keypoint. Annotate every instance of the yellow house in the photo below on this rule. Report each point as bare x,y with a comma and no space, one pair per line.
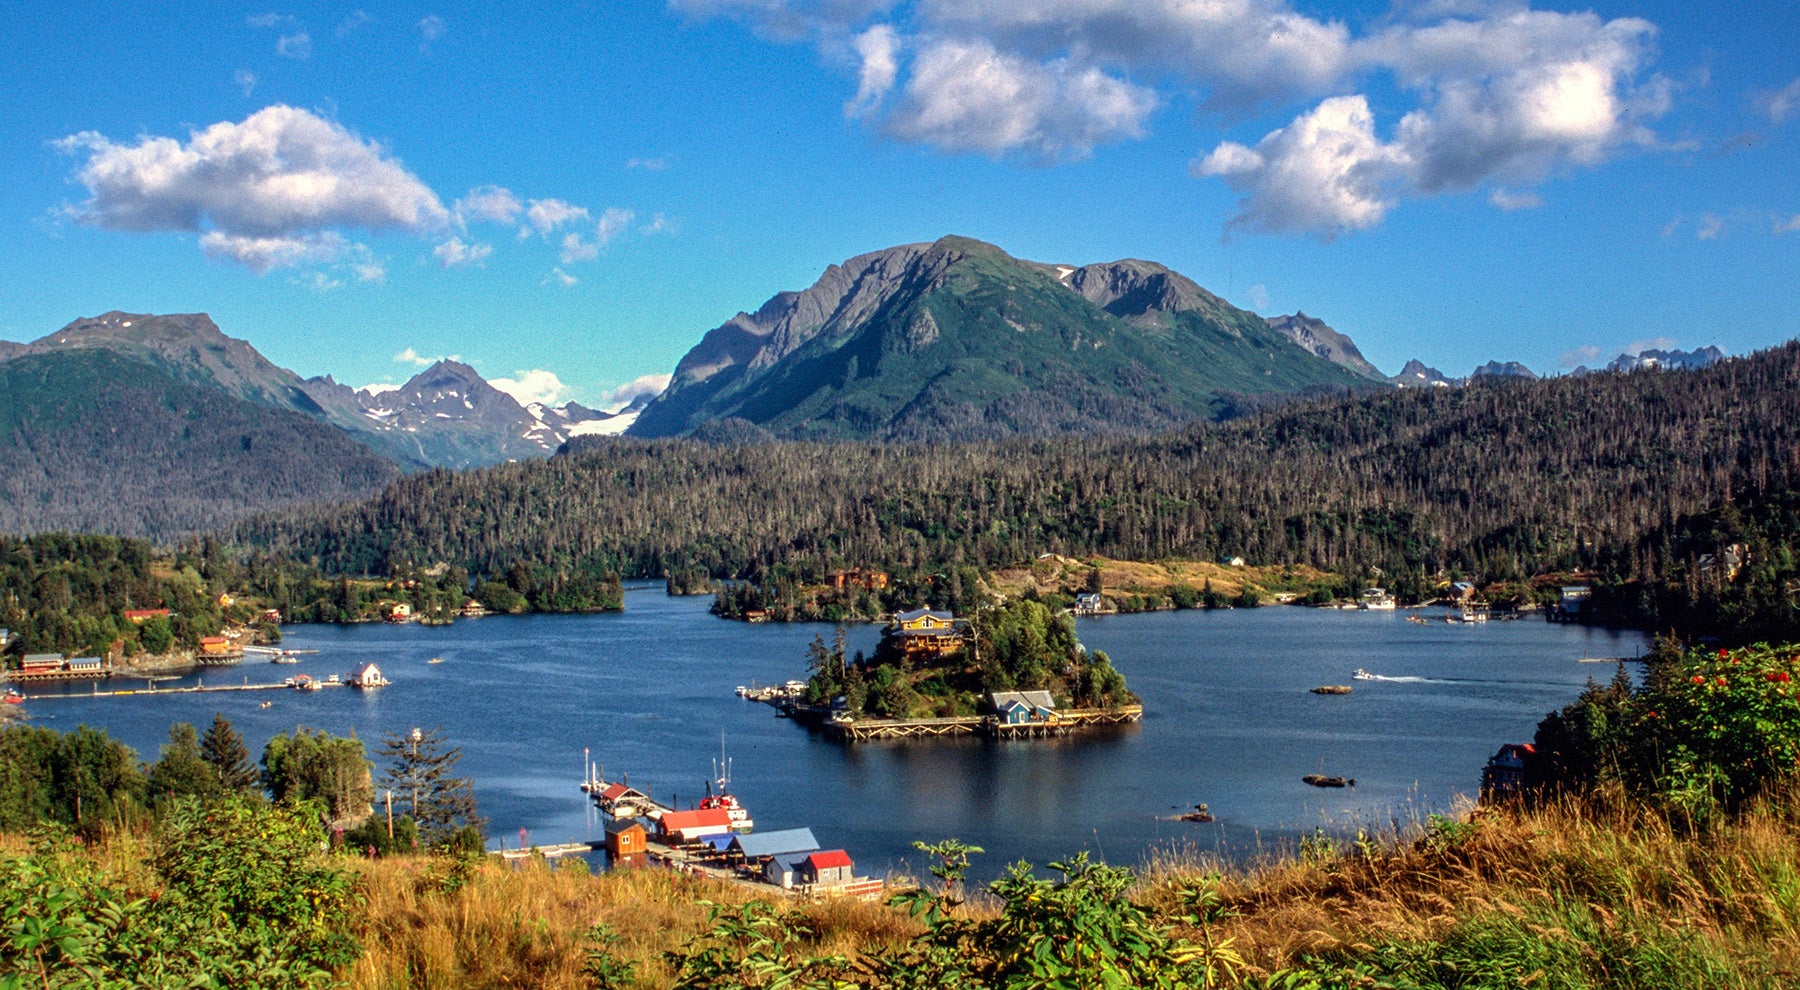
924,631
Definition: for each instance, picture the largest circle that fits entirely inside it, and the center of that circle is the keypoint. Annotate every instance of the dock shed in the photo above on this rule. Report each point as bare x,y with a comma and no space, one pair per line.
626,841
691,826
783,869
1020,707
34,663
757,845
827,868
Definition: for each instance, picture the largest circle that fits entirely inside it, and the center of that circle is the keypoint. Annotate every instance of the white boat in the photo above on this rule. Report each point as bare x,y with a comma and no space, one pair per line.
1362,675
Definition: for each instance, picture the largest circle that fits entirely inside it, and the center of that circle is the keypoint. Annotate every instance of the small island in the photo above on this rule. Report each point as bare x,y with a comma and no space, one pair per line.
1013,668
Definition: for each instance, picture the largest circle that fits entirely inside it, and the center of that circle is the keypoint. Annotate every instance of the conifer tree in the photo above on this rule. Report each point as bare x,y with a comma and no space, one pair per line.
224,749
419,775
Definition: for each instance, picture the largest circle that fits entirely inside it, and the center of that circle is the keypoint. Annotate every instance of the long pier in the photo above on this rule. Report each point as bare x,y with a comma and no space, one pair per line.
1064,722
195,689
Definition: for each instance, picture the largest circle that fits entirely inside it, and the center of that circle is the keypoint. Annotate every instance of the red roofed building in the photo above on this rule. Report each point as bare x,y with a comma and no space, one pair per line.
827,868
689,826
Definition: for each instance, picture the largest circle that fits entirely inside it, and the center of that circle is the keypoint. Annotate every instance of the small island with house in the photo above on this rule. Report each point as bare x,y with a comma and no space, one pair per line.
1012,668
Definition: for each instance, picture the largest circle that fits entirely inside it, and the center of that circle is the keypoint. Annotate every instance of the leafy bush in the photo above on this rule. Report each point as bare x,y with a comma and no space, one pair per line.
1707,730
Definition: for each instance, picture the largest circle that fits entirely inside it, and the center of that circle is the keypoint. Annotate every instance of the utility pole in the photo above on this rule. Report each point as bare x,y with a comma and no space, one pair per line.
413,772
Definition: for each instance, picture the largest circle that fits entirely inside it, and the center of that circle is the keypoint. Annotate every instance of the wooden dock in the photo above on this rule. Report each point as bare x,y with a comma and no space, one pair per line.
549,852
1065,722
196,689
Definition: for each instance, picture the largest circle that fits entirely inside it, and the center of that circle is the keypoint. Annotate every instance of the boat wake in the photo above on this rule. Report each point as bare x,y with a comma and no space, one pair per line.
1410,680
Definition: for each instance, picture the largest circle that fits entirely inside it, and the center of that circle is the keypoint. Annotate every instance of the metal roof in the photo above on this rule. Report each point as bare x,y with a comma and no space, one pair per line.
920,613
618,825
792,840
829,859
1031,699
676,821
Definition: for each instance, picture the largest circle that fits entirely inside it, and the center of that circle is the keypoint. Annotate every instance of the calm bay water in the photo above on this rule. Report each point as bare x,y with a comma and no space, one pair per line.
1229,722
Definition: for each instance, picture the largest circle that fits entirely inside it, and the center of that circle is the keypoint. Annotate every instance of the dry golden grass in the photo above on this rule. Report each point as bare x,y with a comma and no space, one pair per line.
1732,892
523,927
1063,574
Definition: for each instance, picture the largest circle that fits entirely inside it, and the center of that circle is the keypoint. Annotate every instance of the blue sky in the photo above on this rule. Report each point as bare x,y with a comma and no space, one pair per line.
567,197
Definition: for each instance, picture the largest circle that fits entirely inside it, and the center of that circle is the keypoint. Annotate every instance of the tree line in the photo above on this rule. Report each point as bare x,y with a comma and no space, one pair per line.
92,784
1493,482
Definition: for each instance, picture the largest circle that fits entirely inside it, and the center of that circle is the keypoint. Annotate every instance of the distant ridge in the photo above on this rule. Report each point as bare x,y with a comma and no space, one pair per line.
445,416
94,441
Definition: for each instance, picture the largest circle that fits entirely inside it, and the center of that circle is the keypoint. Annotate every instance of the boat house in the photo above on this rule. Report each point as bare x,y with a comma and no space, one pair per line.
776,855
626,842
827,868
367,676
1022,707
682,827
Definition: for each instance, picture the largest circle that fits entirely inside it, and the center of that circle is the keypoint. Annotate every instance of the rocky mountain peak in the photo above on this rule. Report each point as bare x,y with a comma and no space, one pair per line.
1319,338
1136,290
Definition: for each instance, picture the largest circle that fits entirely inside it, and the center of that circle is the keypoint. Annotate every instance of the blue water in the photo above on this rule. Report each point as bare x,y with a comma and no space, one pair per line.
649,691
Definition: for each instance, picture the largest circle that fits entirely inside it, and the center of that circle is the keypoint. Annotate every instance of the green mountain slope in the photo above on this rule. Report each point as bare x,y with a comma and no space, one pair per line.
94,441
957,340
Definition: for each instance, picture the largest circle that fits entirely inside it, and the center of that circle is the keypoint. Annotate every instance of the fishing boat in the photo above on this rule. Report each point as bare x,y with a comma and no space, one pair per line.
739,815
435,660
1362,675
13,697
284,658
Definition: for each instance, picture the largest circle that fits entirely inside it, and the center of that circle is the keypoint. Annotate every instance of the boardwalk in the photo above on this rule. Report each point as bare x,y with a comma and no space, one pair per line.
196,689
1073,720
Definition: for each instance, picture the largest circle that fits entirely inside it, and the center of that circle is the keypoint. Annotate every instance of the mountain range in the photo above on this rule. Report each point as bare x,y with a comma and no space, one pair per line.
945,341
445,416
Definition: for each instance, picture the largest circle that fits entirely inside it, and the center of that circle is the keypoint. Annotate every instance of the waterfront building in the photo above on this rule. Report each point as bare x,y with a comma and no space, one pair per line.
925,632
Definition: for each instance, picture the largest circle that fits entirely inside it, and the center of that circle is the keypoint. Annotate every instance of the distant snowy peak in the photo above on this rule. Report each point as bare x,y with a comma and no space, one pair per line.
1705,357
1417,375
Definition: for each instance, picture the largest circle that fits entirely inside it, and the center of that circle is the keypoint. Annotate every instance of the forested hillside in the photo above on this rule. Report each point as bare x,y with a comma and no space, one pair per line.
1494,481
93,441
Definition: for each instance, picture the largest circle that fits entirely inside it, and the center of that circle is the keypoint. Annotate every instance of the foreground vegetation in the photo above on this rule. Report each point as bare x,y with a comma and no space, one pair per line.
1669,858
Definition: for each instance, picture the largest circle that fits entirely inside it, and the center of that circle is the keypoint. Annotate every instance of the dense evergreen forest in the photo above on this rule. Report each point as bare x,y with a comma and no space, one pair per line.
1494,482
68,594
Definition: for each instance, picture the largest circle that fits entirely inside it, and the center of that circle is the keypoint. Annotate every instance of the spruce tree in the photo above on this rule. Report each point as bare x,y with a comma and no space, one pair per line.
224,749
419,775
183,770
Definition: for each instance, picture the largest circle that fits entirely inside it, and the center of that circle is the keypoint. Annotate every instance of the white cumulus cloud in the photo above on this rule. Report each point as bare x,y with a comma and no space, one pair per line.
1508,200
642,385
545,215
272,191
972,97
612,223
575,249
1782,104
1490,93
560,278
494,204
453,253
878,49
1323,173
536,385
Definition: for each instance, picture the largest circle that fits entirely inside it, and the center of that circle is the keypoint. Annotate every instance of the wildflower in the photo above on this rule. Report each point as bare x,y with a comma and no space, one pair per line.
1698,679
1721,680
1723,653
